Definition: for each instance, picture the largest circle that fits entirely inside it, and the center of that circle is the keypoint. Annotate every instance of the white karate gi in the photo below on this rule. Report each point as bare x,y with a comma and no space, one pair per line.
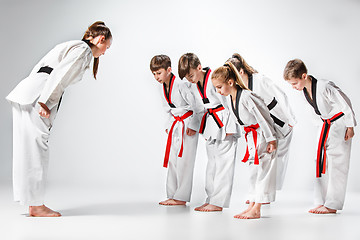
221,149
280,111
252,110
180,169
69,61
328,100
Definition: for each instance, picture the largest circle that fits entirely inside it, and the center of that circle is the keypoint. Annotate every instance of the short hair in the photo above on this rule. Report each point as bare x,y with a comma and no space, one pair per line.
160,61
294,69
187,61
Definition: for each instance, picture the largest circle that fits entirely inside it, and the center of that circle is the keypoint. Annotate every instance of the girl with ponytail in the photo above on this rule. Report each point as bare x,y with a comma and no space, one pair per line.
96,36
278,105
257,127
35,102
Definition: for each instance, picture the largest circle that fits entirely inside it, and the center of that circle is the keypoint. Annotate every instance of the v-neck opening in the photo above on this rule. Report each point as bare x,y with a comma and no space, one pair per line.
312,101
236,108
168,93
202,89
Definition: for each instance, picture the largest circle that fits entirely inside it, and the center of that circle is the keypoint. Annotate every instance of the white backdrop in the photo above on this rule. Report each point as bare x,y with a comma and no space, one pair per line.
109,133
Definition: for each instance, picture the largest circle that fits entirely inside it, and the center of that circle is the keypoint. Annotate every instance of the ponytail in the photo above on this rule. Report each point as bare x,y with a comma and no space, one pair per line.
96,29
240,63
227,72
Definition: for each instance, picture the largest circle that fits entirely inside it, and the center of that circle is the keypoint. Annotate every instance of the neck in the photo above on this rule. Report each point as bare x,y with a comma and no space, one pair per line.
245,79
167,80
233,92
202,74
308,83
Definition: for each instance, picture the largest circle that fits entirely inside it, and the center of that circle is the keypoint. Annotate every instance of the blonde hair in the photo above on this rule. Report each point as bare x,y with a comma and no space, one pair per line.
227,72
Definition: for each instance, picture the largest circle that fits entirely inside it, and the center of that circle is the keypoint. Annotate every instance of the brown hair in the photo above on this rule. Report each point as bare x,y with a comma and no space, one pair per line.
187,61
96,29
240,63
160,61
294,69
227,72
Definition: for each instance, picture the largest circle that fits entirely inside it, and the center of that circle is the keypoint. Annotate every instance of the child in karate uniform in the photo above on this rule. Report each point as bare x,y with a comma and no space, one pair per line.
256,125
280,111
218,130
333,154
35,102
182,128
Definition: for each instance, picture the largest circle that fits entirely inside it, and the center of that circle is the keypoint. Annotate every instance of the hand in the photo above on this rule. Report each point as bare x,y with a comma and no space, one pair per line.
190,132
271,146
349,133
44,111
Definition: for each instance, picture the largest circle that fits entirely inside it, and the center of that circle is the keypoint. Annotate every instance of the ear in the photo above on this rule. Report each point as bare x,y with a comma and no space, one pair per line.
231,82
168,70
303,76
242,71
99,39
199,67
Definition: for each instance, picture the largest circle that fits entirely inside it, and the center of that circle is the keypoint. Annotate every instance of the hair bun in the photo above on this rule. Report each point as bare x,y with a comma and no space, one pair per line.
237,56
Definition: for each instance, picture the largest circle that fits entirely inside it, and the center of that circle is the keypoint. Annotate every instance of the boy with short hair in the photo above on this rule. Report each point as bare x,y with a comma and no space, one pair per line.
217,128
182,126
333,155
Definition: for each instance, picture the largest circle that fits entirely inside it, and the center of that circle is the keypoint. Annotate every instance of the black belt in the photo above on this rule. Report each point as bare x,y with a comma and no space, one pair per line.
45,69
212,112
48,70
276,120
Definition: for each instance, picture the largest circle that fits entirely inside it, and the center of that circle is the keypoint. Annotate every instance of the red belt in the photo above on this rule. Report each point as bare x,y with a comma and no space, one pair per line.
321,153
168,145
212,112
251,128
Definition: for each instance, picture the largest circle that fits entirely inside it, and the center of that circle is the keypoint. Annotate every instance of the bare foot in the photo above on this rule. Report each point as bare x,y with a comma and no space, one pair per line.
247,210
209,208
172,202
324,210
242,213
42,211
202,206
314,209
252,214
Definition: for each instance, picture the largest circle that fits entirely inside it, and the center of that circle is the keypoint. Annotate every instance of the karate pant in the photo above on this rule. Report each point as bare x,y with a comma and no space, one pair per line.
330,188
181,169
282,159
30,153
263,176
220,170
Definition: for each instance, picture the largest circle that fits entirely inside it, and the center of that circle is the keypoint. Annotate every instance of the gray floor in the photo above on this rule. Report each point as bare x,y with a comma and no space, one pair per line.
110,215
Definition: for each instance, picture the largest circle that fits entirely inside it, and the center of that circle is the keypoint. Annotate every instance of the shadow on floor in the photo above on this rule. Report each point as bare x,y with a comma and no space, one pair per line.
124,208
